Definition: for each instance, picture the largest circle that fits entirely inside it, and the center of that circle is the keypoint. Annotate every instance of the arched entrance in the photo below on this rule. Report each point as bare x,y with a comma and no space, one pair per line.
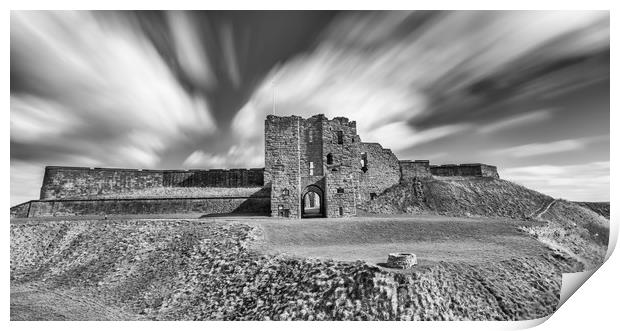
312,203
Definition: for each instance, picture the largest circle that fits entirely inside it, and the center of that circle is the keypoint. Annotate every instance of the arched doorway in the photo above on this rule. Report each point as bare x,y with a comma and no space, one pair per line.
312,204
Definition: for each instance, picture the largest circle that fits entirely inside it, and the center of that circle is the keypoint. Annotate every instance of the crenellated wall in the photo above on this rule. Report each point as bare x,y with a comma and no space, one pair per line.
81,182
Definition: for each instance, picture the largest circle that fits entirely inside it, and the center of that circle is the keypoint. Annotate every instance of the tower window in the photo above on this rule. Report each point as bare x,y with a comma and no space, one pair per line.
339,135
311,168
285,192
340,190
310,136
330,158
364,162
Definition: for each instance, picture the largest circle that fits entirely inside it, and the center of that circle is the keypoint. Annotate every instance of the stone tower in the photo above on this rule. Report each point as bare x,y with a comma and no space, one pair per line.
312,165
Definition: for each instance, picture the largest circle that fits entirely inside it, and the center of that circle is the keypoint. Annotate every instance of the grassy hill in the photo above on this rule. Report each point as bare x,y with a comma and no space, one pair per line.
206,270
578,230
601,208
458,196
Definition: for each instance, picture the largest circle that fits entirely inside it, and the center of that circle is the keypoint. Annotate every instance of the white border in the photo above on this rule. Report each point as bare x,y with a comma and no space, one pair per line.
593,306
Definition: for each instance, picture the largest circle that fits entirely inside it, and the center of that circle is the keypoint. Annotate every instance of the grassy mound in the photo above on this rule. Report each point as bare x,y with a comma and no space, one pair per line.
184,270
601,208
574,230
458,197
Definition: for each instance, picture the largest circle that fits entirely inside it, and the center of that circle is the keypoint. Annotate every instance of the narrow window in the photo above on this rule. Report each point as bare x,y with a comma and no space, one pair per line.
310,136
285,192
340,211
340,190
339,134
364,162
330,158
311,168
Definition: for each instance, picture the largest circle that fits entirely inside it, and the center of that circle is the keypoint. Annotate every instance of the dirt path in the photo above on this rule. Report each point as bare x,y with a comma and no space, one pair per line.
542,210
32,302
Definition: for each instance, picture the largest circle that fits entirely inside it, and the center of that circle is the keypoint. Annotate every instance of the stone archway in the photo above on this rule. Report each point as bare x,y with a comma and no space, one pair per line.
312,202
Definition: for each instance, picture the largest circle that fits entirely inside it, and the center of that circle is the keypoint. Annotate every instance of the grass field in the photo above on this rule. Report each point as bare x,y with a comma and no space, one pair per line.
431,238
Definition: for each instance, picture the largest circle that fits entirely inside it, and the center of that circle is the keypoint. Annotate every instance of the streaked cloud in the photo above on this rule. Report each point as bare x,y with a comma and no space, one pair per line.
517,121
106,83
192,56
191,89
559,146
578,182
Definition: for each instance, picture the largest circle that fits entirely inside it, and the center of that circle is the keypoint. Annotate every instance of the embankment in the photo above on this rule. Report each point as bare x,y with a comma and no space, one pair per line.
192,270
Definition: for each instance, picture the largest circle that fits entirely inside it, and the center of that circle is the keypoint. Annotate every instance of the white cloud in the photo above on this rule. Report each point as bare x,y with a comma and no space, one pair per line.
559,146
399,136
517,121
579,182
109,96
237,156
542,148
188,46
367,71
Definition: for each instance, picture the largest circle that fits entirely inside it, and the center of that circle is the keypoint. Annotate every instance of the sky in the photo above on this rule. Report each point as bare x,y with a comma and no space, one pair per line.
527,91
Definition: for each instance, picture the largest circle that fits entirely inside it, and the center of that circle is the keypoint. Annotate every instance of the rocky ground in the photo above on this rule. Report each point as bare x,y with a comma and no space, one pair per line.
206,270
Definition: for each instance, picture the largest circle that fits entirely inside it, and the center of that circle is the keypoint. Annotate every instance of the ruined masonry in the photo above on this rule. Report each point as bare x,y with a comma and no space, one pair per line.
314,167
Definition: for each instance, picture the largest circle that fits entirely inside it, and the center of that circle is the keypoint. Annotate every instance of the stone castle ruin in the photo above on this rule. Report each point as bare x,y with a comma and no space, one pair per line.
314,167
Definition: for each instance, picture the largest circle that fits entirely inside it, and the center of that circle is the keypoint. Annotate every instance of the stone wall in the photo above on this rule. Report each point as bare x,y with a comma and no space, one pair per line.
465,170
382,170
314,154
75,182
415,169
282,164
340,140
20,210
208,206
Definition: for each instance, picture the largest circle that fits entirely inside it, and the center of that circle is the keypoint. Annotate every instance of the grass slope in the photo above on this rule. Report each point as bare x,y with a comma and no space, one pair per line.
572,229
459,197
601,208
176,270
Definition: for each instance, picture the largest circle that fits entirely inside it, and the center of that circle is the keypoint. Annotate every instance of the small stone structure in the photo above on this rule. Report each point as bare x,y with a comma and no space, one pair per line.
401,260
314,167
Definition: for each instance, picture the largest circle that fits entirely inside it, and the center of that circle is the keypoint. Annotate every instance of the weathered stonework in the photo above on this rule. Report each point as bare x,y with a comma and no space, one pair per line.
415,169
80,182
314,167
207,206
379,170
465,170
401,260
